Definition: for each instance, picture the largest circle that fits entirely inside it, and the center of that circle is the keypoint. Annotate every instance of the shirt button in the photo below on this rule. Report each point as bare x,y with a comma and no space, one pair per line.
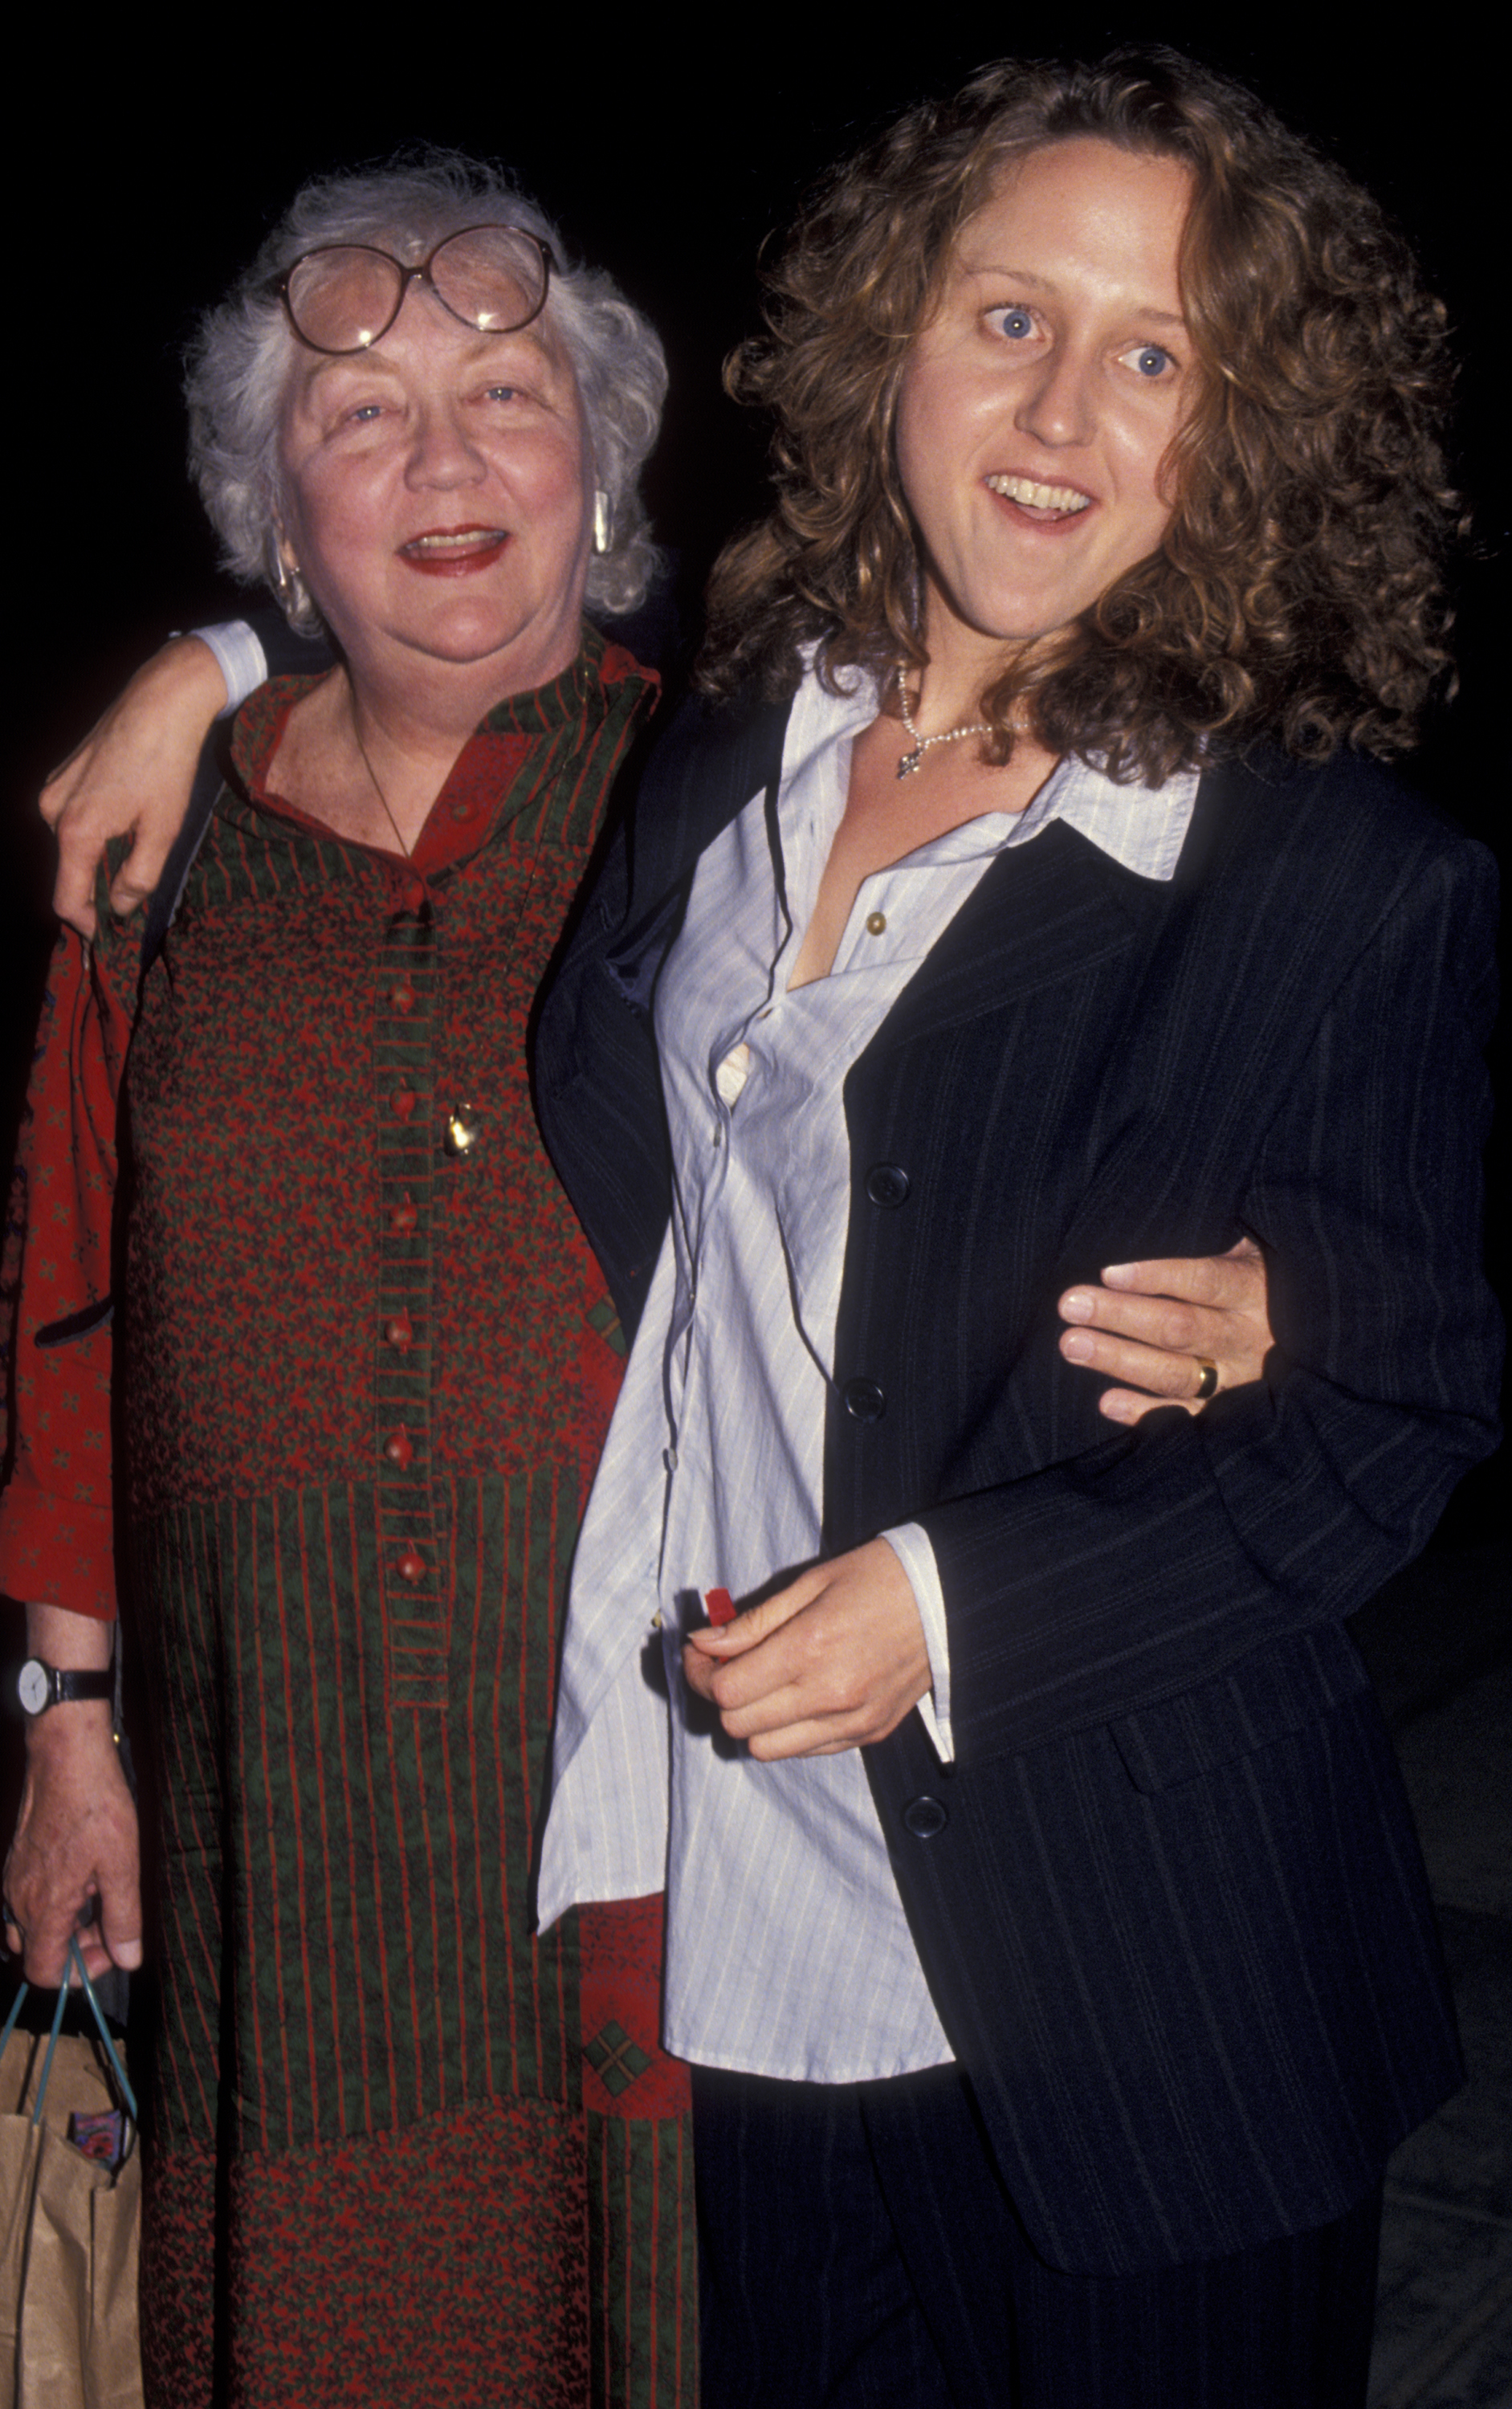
864,1401
399,1330
412,1564
414,894
886,1183
403,1217
402,997
402,1103
925,1817
718,1138
398,1449
669,1457
875,923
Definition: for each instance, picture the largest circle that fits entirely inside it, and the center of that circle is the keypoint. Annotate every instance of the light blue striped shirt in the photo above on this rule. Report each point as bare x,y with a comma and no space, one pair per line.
788,1952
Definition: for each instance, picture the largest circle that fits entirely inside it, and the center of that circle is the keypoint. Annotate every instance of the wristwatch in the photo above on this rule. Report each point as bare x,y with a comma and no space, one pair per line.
39,1686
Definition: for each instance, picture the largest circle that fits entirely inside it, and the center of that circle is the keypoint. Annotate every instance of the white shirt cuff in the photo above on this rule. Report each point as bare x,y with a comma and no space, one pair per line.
240,658
911,1545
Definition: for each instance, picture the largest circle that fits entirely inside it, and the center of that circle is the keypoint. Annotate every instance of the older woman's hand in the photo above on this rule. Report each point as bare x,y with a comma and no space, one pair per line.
1156,1325
131,777
73,1864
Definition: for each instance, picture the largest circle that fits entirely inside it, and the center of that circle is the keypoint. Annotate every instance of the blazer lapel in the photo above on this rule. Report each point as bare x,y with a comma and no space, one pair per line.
1045,912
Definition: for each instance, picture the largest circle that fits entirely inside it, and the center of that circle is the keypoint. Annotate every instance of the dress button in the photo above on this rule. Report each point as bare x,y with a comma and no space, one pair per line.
886,1183
414,894
875,923
403,1103
399,1330
413,1567
864,1401
404,1217
925,1817
398,1449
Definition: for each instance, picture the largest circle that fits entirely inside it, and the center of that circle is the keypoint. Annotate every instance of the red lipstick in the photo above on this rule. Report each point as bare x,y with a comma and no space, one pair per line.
453,552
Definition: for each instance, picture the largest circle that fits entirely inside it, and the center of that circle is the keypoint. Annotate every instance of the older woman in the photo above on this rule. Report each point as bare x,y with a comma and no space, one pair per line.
1045,1924
362,1365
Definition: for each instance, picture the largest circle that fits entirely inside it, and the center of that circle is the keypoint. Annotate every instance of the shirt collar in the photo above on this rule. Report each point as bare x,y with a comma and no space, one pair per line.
1141,828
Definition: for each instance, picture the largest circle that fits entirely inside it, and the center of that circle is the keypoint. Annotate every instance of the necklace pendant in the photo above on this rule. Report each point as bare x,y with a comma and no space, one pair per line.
464,1127
909,762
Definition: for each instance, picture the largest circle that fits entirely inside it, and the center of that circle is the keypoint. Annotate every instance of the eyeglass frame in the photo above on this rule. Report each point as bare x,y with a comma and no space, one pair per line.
279,285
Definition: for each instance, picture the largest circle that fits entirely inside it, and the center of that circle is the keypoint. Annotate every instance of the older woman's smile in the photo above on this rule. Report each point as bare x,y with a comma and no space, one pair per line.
455,552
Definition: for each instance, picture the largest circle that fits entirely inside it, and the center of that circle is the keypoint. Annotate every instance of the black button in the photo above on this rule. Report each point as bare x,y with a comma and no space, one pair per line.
864,1401
886,1183
925,1817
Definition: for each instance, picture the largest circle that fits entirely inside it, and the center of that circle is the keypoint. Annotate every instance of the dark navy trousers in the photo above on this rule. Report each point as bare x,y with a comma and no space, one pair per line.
859,2251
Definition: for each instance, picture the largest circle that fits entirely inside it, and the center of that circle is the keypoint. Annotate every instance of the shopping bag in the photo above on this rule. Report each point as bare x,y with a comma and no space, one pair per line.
20,2146
68,2320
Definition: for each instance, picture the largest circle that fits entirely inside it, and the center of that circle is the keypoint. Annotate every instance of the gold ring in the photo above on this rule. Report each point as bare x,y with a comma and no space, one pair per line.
1207,1385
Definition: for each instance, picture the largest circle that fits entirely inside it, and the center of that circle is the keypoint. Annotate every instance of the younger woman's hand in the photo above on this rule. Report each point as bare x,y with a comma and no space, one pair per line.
131,777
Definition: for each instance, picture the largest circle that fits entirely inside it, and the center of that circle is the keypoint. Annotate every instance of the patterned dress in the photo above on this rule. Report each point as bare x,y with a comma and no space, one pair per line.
401,2150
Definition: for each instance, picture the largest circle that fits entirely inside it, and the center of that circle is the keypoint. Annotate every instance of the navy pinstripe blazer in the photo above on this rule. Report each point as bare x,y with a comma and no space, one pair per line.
1168,1898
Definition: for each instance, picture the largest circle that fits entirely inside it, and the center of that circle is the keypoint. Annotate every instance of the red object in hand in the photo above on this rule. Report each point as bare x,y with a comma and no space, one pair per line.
721,1606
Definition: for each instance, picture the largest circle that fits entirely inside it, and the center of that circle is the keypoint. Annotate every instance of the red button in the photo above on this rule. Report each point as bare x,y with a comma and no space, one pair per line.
414,895
403,1215
398,1449
412,1564
403,1101
402,997
400,1331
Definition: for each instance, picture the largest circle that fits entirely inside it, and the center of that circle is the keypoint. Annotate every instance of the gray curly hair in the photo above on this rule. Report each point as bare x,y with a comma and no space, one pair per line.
239,361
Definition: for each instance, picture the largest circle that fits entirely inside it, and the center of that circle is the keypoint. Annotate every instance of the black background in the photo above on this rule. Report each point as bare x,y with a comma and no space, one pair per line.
137,188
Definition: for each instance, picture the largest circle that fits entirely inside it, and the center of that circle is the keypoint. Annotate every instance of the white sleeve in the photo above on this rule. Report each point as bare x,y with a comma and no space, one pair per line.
912,1548
240,658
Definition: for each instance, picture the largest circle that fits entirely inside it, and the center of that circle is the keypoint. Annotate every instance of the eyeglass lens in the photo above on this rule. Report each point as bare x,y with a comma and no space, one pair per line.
344,296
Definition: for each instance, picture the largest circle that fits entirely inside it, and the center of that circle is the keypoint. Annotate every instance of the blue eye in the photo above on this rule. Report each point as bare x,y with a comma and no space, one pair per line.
1016,324
1150,360
502,392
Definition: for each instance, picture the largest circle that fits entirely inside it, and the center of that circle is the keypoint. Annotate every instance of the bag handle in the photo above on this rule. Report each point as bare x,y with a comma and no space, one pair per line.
128,2096
9,2026
76,1959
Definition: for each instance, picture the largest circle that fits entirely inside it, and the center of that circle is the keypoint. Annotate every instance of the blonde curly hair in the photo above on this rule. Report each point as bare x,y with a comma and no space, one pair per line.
1297,593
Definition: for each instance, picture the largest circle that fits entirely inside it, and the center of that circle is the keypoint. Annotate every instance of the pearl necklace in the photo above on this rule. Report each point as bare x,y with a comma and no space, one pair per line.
909,762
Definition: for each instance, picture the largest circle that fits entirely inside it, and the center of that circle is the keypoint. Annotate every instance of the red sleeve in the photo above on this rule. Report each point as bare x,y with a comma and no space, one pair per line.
56,1523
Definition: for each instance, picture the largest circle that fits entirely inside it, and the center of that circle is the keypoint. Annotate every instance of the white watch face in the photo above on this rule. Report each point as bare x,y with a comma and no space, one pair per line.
32,1686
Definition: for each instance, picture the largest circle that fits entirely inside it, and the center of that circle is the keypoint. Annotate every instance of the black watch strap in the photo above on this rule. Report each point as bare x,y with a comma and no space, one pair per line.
39,1686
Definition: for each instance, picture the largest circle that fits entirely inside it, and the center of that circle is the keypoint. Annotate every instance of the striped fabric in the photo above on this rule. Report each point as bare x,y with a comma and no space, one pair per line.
402,2151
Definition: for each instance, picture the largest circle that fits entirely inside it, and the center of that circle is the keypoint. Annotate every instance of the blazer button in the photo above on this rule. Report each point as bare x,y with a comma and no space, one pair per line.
864,1401
886,1183
925,1817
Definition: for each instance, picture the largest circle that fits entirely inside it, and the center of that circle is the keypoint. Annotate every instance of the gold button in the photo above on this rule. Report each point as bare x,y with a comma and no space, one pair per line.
875,923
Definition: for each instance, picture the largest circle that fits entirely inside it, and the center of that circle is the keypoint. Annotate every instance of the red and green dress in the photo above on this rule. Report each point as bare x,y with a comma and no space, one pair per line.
401,2150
